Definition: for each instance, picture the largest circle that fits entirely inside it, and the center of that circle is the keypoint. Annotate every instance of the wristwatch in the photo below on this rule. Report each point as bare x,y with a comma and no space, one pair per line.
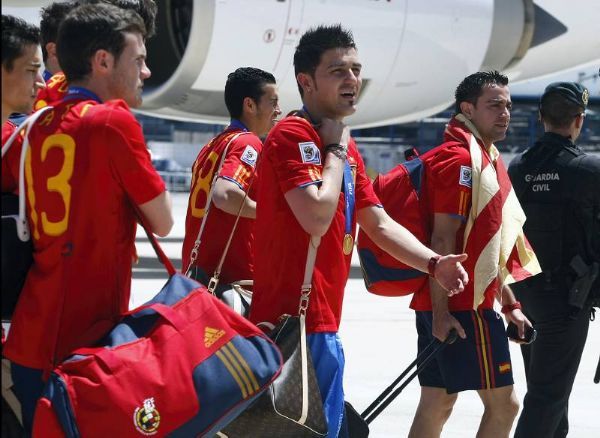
338,150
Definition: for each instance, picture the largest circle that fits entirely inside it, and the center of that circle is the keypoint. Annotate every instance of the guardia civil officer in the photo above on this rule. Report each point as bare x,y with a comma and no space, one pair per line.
558,186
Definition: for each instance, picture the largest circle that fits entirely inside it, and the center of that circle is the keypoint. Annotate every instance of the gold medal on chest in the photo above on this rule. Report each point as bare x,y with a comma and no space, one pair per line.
348,244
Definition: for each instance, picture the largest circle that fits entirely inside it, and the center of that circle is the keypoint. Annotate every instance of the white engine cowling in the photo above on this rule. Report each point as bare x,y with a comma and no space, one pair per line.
414,53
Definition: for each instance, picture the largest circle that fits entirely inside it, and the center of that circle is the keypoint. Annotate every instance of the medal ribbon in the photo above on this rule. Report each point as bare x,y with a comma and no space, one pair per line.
348,197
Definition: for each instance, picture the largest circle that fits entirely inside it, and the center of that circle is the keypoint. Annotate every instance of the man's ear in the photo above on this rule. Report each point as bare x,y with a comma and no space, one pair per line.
248,105
467,109
306,82
579,121
102,61
51,49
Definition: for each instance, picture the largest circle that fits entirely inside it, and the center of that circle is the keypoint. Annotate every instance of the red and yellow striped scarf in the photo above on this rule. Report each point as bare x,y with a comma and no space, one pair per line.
494,230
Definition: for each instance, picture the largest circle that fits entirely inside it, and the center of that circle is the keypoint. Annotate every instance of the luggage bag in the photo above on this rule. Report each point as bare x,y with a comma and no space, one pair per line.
182,365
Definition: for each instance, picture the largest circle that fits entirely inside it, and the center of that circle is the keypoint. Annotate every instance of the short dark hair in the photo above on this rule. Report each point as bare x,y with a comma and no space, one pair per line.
89,28
52,15
145,9
472,86
315,42
242,83
559,111
17,34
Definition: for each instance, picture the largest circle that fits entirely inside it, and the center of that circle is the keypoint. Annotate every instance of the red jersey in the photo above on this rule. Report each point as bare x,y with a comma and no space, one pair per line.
55,90
447,190
86,167
238,167
10,161
293,156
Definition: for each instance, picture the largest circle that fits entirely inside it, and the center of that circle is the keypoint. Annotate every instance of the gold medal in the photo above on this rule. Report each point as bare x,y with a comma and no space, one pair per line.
348,244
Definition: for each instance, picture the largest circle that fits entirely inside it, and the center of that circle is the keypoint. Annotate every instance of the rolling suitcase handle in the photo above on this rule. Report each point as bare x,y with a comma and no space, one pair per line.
389,394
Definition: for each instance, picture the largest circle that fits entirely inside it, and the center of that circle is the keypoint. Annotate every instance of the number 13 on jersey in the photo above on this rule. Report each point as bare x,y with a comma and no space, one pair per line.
51,224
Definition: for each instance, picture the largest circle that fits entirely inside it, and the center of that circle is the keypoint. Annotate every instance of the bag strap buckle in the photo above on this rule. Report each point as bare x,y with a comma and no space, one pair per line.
212,285
304,296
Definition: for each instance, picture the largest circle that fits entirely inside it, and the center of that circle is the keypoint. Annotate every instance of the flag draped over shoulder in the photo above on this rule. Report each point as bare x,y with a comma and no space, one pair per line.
494,230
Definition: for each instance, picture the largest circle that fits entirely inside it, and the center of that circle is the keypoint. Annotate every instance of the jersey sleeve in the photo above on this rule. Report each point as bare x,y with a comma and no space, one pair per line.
295,154
450,187
130,157
241,160
365,194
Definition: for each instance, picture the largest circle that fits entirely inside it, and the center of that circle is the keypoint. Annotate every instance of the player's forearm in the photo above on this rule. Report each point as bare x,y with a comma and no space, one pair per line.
328,194
504,294
314,207
228,196
442,243
439,298
231,201
398,242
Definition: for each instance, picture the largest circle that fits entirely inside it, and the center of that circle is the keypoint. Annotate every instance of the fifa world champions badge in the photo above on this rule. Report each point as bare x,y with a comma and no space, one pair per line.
146,418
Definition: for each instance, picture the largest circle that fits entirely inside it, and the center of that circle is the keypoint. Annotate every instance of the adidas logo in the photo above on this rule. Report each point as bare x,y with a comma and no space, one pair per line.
212,335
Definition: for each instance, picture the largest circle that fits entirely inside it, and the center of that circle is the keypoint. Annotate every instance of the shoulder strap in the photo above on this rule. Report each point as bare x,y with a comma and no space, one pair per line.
194,252
311,257
214,280
22,225
162,257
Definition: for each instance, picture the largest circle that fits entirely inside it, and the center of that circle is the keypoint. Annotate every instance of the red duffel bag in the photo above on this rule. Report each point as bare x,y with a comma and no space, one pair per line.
182,365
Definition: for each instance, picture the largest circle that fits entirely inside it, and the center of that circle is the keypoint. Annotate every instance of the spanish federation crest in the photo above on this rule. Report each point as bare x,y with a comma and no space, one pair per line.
146,418
310,152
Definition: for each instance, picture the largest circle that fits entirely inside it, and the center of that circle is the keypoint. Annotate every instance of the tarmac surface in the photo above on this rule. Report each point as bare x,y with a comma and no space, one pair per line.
380,341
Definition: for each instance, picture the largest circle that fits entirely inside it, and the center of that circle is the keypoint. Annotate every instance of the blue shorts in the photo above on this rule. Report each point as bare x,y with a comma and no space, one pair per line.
481,361
328,359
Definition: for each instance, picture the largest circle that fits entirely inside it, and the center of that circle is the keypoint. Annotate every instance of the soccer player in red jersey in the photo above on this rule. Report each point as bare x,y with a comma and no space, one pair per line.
472,207
88,174
52,16
304,164
21,77
21,64
56,84
252,101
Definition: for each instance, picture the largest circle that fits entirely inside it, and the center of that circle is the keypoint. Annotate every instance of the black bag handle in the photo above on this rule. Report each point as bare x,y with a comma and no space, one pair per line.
390,393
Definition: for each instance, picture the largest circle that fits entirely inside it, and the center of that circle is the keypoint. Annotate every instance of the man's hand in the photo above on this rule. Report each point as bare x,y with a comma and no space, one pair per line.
334,132
520,320
443,322
450,274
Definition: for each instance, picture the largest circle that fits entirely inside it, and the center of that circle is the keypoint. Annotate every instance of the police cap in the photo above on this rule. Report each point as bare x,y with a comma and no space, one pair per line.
571,91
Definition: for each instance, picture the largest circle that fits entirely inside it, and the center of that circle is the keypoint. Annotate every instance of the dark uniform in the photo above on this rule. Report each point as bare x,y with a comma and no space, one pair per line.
558,186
